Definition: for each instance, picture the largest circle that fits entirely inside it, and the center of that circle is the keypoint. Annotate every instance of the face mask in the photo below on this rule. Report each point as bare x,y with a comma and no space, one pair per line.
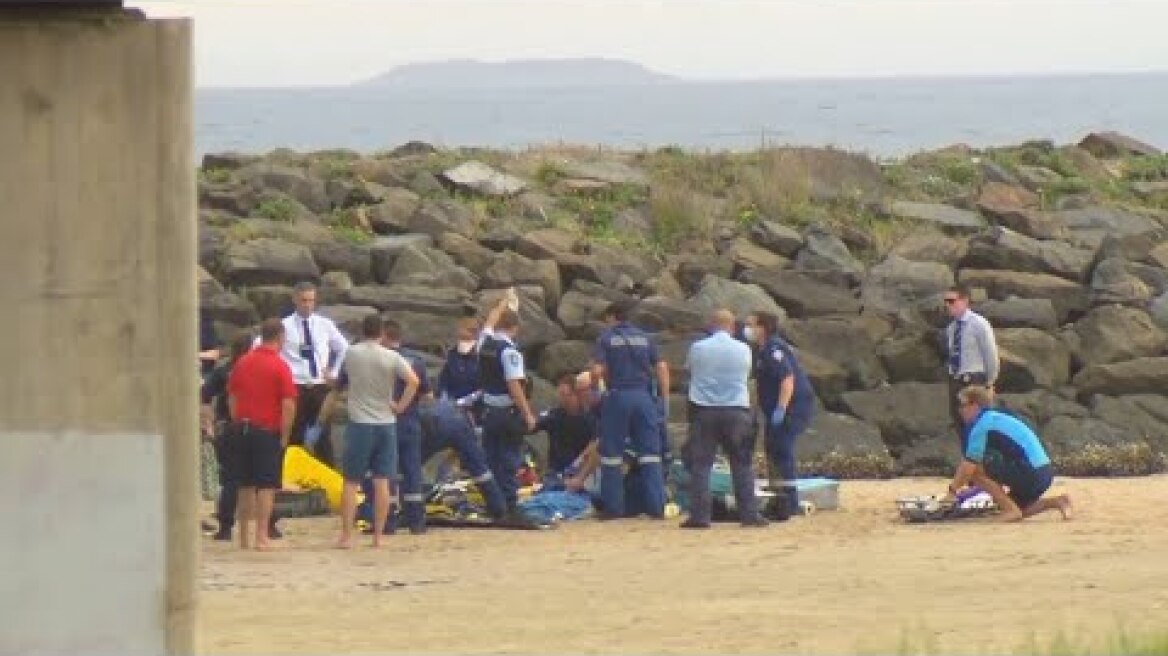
466,346
748,333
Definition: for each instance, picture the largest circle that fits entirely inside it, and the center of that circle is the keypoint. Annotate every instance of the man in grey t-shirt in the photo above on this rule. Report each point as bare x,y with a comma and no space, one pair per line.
369,373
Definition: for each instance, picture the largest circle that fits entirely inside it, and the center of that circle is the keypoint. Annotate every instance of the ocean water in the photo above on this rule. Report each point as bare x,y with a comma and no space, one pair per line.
883,117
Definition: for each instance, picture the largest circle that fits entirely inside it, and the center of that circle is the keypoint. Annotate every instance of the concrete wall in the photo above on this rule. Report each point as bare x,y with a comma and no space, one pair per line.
98,415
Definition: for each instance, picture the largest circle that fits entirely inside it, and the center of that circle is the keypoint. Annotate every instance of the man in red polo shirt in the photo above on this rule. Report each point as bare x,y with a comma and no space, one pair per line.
263,405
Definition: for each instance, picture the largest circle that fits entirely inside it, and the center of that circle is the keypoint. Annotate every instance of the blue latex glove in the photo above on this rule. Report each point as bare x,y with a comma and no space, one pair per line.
777,417
312,435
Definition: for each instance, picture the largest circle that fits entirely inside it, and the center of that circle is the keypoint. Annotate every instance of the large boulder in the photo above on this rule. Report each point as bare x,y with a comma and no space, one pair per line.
581,260
1138,376
610,172
1005,249
692,268
1031,358
384,251
658,313
467,252
1143,415
1039,406
844,342
1158,308
897,286
674,350
1067,297
429,267
1114,334
1113,282
392,215
746,255
1093,447
930,247
1014,312
511,269
354,259
828,379
271,300
739,298
944,216
1091,225
268,261
914,424
1113,145
449,302
564,357
579,314
1032,223
436,217
912,358
842,447
776,237
1132,247
230,308
296,183
801,295
828,258
480,178
348,318
208,286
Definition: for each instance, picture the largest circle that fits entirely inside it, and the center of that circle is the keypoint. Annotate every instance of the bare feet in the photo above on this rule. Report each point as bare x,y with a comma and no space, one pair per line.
345,543
377,542
266,545
1064,506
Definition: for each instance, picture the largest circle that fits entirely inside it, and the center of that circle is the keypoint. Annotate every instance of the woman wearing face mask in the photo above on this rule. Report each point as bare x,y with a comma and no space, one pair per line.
786,398
460,374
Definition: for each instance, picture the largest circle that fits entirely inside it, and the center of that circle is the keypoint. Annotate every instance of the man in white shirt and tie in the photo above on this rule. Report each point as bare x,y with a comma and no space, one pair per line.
314,349
972,352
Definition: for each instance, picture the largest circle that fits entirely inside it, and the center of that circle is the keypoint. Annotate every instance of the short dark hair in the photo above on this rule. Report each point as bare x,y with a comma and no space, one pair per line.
769,322
393,330
619,310
372,327
962,291
508,319
271,330
304,286
567,378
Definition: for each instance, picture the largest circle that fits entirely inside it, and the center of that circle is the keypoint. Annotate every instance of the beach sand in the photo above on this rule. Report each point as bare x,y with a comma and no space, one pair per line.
855,579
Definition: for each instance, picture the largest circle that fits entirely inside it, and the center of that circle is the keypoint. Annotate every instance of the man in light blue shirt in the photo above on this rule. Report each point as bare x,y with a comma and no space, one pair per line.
719,368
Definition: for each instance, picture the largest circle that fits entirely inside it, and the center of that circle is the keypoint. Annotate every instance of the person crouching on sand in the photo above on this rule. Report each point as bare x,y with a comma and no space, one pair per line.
1001,450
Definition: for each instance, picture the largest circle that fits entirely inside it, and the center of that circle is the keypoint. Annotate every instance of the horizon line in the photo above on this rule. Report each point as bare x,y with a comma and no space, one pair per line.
680,80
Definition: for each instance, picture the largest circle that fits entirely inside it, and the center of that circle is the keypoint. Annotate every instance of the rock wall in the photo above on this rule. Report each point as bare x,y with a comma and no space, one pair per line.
1064,247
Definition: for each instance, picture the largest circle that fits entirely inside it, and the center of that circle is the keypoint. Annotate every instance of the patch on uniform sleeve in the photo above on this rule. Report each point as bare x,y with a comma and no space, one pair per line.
514,359
777,354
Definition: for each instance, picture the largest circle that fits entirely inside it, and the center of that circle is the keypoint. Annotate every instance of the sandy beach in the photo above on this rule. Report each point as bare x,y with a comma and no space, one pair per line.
843,581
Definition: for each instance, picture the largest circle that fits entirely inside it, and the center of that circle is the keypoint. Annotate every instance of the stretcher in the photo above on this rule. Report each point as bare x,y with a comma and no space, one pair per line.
305,472
931,508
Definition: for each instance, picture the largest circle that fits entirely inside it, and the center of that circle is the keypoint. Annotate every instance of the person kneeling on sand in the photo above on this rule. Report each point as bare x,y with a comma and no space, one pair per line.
1003,452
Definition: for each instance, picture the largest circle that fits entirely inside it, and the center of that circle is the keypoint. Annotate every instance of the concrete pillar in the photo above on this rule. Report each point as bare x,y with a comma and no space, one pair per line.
98,372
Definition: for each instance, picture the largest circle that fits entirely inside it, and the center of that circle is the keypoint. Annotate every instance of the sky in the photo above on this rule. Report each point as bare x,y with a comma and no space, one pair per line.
331,42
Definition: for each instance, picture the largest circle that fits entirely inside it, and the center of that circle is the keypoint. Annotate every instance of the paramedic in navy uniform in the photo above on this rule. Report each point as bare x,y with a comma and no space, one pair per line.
786,399
626,359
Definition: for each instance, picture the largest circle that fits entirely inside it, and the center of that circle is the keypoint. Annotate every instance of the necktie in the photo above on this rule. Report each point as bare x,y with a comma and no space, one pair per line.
310,351
955,348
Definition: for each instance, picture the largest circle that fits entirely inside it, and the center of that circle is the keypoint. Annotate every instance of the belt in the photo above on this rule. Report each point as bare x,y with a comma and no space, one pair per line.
969,377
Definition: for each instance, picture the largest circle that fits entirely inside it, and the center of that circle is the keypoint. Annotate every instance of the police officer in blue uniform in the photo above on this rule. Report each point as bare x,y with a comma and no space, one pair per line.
446,426
626,360
786,398
507,414
409,435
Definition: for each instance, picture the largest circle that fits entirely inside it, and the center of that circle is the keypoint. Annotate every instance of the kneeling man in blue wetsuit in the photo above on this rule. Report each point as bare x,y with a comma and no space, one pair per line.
1003,452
